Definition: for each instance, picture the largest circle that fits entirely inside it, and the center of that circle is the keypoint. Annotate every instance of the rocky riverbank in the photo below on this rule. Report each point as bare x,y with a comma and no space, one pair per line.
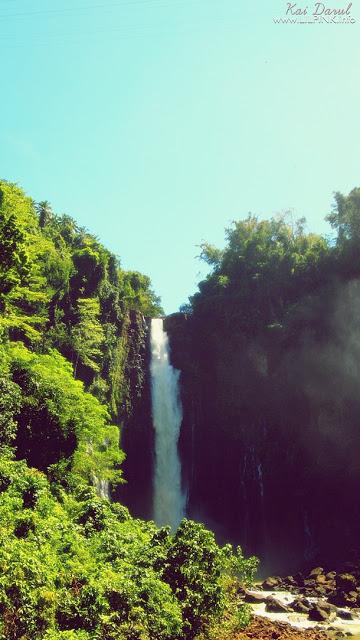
340,588
321,600
264,629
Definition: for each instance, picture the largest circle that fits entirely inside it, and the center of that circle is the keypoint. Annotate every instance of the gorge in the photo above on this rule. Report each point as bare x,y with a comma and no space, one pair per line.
269,383
240,411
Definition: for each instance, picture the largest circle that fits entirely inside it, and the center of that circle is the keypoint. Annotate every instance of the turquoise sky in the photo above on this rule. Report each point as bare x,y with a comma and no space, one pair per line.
156,122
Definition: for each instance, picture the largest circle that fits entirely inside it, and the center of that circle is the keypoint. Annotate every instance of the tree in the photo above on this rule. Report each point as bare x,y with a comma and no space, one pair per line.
45,213
88,334
13,256
345,216
10,403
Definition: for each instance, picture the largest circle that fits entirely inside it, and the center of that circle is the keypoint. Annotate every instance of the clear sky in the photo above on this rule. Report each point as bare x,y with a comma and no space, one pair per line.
154,123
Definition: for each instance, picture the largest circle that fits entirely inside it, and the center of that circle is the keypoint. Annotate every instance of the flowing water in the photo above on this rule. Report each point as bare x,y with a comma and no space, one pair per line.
102,488
300,620
169,499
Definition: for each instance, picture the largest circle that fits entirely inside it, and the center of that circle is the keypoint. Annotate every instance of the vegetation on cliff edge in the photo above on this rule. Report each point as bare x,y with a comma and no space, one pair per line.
72,564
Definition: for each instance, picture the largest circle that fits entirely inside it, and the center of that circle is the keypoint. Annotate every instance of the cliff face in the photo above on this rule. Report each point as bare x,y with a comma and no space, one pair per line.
269,438
269,435
137,436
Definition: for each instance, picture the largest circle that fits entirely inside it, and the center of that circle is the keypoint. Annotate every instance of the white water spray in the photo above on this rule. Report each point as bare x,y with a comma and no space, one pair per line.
102,488
169,500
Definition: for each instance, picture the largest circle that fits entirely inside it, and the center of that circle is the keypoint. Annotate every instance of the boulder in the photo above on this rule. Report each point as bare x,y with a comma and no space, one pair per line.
272,583
331,575
254,598
299,579
346,582
318,571
301,605
274,606
309,583
352,599
322,611
338,598
345,615
342,599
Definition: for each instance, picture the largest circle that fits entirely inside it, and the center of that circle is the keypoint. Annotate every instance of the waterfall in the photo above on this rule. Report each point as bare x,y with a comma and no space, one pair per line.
169,500
102,488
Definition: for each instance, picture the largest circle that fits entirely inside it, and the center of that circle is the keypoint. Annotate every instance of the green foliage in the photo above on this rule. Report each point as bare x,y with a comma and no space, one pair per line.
10,403
61,288
138,294
192,567
13,256
269,265
88,334
83,569
26,299
56,410
73,566
345,216
200,574
260,272
55,276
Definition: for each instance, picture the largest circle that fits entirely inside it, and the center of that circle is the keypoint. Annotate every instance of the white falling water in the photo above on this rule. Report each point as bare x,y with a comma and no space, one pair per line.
102,488
169,500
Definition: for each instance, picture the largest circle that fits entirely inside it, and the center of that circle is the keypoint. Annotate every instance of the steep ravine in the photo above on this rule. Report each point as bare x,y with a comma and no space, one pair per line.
137,434
267,447
261,464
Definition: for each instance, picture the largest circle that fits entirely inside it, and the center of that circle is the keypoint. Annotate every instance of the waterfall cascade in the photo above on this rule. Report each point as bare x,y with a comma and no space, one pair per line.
102,488
169,500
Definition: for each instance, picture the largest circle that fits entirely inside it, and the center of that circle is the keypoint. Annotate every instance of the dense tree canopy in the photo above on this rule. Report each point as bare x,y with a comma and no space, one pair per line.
265,266
74,565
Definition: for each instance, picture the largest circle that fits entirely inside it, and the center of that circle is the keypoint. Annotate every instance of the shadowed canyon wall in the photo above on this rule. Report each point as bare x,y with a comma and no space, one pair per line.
270,435
270,438
137,434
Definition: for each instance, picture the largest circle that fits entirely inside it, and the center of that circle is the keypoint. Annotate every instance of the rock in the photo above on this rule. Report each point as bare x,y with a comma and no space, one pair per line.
352,598
331,575
339,598
316,572
274,582
274,606
322,611
327,606
345,615
318,614
346,582
309,582
299,579
301,605
254,598
343,599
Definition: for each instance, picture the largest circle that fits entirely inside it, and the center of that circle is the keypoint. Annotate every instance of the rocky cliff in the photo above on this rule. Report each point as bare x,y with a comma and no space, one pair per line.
269,436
